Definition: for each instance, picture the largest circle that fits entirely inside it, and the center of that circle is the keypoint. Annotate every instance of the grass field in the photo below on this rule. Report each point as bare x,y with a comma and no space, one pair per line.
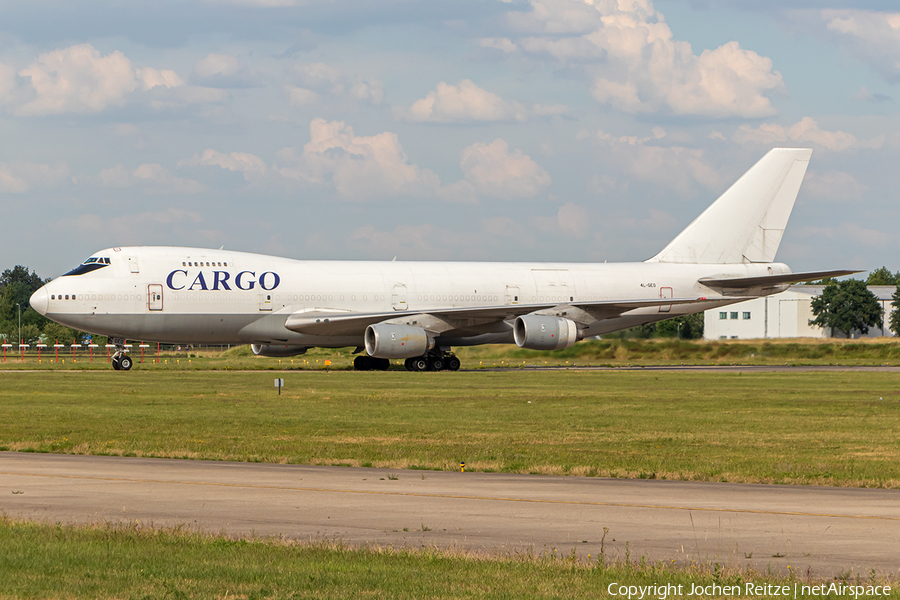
130,561
823,428
878,351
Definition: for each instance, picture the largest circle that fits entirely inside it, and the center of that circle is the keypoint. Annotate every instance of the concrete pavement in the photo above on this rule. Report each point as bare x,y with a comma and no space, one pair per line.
824,530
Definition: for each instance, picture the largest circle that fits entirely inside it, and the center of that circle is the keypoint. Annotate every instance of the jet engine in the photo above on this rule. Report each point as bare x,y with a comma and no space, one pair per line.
385,340
277,350
538,332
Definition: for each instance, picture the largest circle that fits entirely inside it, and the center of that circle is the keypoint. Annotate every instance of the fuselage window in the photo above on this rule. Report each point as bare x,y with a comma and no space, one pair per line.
53,296
73,296
67,296
183,264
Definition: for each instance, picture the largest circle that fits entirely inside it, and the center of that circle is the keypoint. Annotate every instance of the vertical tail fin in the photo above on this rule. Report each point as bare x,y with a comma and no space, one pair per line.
745,224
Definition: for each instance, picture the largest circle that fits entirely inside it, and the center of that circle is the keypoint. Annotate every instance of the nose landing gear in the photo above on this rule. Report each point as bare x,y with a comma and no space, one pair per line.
120,360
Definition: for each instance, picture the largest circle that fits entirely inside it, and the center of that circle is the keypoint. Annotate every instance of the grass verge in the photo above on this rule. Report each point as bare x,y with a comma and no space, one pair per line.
133,561
613,352
833,428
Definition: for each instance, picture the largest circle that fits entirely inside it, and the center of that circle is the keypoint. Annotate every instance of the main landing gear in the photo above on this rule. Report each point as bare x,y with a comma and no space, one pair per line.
433,361
120,360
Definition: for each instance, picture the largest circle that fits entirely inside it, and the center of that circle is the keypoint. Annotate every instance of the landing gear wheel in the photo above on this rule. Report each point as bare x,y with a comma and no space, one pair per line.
125,363
419,364
381,364
437,364
452,364
408,364
115,363
361,363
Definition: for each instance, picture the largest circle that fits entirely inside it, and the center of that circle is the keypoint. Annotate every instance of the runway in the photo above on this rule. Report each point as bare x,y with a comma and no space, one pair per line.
824,530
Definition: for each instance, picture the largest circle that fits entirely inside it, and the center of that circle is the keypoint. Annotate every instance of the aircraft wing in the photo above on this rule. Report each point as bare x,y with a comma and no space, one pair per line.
741,283
323,322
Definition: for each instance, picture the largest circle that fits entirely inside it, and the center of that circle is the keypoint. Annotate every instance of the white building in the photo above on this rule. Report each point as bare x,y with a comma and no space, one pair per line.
784,315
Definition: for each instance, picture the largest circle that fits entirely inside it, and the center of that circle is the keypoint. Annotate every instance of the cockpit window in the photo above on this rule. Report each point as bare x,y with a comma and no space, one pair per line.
91,264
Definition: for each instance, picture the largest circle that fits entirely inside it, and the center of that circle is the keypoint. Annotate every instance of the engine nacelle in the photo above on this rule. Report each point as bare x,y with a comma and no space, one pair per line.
277,350
538,332
385,340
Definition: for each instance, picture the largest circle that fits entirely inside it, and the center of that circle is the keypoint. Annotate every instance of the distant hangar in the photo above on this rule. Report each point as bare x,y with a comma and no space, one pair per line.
785,315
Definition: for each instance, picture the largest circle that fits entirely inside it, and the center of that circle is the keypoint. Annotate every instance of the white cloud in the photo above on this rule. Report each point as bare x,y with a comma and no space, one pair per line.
145,227
502,44
677,168
20,176
253,168
573,219
638,67
223,71
151,177
874,37
463,102
805,131
836,186
152,78
298,96
319,80
404,241
359,167
78,79
866,95
494,171
466,102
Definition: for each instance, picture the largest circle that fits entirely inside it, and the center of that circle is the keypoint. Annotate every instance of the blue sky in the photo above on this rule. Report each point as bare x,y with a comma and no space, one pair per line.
564,130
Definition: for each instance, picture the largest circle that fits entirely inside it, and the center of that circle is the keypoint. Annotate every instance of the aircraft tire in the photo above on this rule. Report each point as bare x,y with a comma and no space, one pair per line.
419,364
125,363
381,364
361,363
115,363
452,364
408,364
436,364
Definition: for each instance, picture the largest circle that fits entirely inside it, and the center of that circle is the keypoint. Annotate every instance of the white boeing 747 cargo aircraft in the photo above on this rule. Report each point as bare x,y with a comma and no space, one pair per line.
419,310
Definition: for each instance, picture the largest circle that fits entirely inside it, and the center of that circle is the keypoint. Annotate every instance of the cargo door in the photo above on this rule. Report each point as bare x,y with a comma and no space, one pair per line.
398,297
155,296
265,302
554,285
512,295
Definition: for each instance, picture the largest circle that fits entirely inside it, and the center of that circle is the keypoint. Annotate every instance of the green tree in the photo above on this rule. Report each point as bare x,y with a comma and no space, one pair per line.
54,332
687,327
882,276
847,306
30,334
895,314
16,287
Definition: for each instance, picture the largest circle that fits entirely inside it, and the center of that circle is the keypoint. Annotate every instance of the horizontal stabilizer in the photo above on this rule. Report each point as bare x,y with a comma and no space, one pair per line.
739,283
342,323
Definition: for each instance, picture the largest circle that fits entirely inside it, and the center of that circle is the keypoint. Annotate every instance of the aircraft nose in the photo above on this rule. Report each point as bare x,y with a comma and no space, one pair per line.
40,300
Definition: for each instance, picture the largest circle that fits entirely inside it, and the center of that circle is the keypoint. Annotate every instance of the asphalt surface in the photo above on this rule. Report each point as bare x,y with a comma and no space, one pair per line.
822,531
